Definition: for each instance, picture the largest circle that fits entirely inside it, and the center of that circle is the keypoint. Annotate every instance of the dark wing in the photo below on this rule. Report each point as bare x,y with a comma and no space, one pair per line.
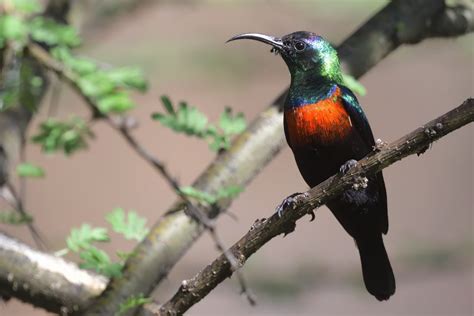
361,124
358,119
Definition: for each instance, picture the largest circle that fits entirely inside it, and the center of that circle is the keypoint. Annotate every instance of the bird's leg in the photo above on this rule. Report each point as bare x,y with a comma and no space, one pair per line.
291,202
347,165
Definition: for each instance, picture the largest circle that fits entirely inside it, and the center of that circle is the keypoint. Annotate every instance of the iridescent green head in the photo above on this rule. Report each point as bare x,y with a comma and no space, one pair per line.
305,53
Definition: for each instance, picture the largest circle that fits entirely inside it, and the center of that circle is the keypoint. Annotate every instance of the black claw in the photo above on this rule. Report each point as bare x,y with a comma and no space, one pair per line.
313,216
288,202
347,165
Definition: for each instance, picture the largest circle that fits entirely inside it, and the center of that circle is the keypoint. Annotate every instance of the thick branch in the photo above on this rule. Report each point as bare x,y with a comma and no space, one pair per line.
44,280
195,289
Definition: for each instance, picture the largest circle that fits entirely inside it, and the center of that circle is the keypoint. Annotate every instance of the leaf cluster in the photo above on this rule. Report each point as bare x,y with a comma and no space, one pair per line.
109,89
192,122
82,241
67,136
133,302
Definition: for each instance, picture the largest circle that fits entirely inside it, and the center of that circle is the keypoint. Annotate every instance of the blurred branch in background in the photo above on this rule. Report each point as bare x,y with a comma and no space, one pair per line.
174,233
17,73
416,142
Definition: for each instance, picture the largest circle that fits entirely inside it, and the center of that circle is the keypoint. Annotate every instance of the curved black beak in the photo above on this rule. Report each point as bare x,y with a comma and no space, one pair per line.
270,40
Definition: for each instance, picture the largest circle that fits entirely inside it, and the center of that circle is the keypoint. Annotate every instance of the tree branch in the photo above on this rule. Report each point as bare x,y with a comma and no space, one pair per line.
44,280
193,290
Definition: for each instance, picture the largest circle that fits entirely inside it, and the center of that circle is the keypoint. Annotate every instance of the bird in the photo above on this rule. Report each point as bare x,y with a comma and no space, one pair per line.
328,132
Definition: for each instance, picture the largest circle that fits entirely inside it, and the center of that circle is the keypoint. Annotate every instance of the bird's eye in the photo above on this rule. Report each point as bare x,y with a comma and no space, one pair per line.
299,46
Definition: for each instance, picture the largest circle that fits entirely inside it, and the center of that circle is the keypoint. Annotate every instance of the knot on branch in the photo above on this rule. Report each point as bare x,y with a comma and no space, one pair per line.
379,145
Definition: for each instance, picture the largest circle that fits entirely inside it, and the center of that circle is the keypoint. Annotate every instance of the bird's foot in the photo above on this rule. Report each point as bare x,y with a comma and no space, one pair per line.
291,202
347,165
360,183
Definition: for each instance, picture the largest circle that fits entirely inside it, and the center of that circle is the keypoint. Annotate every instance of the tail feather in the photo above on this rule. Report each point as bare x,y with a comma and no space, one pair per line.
376,269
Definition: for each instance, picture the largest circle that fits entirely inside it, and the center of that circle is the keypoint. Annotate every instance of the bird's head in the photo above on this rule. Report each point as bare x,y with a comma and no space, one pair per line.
303,52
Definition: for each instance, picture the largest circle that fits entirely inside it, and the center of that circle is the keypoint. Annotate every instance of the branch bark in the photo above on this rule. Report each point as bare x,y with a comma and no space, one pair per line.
193,290
44,280
174,233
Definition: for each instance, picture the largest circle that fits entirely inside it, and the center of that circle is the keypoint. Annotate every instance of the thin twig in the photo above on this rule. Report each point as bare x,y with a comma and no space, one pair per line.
122,126
9,194
193,290
194,212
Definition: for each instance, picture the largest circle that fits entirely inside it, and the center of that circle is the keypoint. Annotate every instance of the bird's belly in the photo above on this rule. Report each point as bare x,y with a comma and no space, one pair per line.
317,124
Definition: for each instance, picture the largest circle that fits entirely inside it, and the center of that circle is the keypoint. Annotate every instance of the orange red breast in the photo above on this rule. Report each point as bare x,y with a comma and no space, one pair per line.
325,122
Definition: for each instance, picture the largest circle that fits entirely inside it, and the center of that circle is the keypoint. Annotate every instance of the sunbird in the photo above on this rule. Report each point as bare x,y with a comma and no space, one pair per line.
328,132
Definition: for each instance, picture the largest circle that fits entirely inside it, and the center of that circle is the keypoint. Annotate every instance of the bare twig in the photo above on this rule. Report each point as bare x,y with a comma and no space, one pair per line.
193,290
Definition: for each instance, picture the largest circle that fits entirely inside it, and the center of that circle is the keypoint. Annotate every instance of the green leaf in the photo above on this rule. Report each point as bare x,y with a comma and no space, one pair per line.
29,170
208,198
26,6
96,84
133,302
82,238
13,28
118,102
232,125
354,84
69,136
167,104
14,218
192,122
50,32
132,226
128,77
198,195
229,192
99,261
184,119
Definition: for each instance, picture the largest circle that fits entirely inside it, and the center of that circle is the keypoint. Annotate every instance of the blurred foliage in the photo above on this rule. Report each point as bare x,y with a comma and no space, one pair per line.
353,84
132,302
14,218
131,226
68,136
81,241
28,170
229,192
108,89
192,122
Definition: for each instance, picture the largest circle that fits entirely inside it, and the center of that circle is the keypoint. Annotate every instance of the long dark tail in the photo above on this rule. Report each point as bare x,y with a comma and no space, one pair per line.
376,269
